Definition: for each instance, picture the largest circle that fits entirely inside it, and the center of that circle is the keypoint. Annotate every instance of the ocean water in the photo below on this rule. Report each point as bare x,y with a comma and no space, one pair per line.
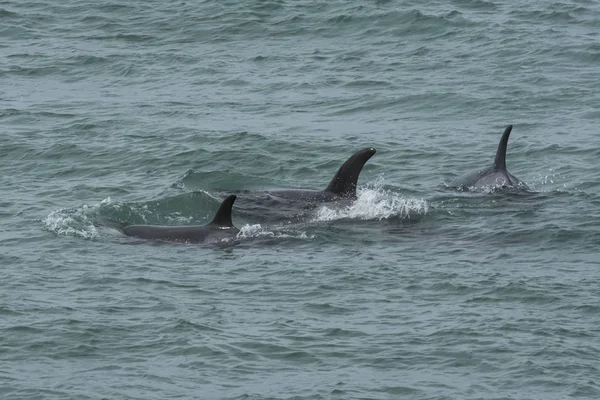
153,111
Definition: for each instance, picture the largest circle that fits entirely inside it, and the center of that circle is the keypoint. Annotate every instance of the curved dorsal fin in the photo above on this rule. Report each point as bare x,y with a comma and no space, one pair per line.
344,181
500,161
223,216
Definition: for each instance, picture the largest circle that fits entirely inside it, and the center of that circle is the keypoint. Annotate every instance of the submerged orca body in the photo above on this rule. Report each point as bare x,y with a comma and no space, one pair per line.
221,227
494,177
342,186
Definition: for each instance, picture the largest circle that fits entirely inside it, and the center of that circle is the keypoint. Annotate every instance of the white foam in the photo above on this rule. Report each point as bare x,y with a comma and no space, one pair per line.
257,231
375,203
74,221
251,230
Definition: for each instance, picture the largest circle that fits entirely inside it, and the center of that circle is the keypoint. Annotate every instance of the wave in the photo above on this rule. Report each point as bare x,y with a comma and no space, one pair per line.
79,221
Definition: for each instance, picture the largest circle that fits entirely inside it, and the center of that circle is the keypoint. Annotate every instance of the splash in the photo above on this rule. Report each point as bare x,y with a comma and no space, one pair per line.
491,189
257,231
75,221
554,181
375,203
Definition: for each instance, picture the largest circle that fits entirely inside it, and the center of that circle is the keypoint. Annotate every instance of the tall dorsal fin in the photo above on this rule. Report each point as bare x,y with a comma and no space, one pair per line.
500,161
344,181
223,216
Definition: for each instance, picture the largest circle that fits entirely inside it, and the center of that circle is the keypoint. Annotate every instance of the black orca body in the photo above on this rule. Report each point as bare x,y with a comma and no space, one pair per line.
221,227
342,186
494,177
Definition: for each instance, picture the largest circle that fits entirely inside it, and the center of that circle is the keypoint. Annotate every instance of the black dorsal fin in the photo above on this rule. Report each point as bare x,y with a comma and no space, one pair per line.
344,182
500,161
223,216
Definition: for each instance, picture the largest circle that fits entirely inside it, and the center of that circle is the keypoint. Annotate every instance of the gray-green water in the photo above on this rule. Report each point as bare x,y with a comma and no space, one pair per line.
153,111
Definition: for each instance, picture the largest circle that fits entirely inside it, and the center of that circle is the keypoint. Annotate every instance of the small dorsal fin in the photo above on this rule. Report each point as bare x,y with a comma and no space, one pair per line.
500,161
344,182
223,216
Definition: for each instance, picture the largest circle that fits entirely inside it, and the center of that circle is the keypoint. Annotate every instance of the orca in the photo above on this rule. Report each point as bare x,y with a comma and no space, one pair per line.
342,186
221,227
494,177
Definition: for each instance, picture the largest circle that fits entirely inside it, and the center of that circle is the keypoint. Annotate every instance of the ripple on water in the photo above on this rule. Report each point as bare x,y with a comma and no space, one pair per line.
149,113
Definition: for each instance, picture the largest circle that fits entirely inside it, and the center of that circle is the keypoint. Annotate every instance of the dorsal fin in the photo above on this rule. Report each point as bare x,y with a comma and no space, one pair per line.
500,161
344,181
223,216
